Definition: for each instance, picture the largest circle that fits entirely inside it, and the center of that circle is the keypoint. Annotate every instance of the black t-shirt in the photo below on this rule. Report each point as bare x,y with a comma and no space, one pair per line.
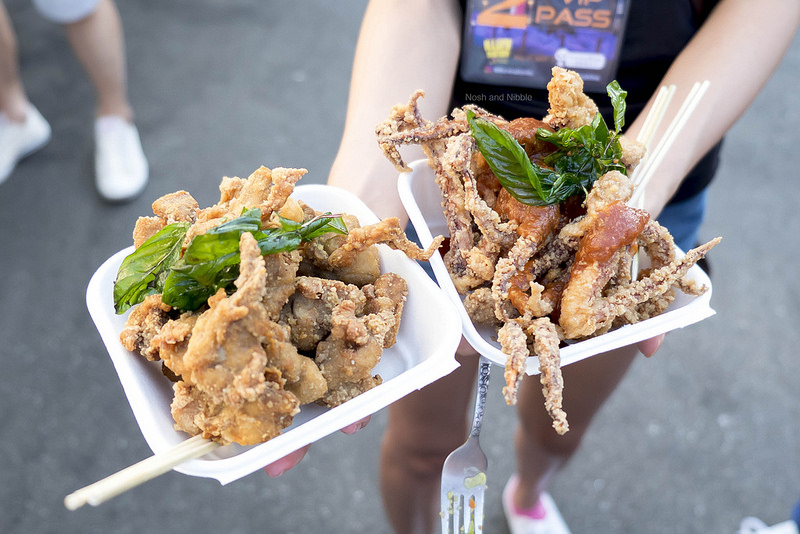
656,32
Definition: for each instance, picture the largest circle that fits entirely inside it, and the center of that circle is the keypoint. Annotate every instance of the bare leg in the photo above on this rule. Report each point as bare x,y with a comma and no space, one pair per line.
423,428
13,101
540,451
99,44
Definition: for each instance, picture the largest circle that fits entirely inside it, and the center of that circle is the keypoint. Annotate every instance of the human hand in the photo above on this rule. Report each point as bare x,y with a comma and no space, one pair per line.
648,347
279,467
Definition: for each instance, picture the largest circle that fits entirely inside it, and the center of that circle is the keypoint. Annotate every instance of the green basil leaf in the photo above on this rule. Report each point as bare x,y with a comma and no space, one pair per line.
508,160
142,272
211,261
617,95
322,224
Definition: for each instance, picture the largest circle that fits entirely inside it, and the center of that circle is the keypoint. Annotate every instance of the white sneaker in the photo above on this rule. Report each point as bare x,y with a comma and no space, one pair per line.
752,525
121,169
548,519
20,139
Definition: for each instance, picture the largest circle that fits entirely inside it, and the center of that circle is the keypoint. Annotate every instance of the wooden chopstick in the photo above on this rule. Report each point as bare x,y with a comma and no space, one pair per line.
647,169
139,473
655,115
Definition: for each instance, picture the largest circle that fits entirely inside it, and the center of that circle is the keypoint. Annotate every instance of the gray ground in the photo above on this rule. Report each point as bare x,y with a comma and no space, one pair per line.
694,439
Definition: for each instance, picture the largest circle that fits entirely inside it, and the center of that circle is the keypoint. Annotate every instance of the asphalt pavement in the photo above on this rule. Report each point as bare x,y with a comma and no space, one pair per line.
699,436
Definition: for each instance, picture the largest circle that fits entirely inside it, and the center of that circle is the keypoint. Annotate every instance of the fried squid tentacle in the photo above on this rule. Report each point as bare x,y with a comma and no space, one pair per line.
514,344
545,344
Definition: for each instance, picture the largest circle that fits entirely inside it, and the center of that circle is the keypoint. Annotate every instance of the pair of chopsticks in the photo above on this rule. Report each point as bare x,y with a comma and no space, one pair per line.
139,473
646,169
652,159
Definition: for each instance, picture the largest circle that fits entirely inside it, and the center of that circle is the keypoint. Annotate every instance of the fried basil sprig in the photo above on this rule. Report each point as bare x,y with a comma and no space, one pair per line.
210,261
582,155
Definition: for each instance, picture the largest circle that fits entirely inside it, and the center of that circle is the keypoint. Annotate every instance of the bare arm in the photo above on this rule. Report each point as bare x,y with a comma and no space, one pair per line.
404,45
737,50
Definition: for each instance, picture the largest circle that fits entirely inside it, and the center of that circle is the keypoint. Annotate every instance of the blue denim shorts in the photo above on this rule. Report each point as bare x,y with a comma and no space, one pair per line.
683,219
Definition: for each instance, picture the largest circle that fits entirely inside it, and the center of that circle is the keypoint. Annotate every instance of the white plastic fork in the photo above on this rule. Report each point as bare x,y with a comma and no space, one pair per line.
464,472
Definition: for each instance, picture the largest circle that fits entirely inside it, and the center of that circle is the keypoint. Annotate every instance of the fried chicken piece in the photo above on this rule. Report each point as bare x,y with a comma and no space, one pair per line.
179,206
233,350
385,301
265,189
246,420
348,356
632,152
364,267
310,308
172,341
387,231
355,345
143,325
145,228
569,105
281,273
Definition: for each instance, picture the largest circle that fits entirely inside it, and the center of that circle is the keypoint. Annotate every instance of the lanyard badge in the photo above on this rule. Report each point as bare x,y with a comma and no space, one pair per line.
518,42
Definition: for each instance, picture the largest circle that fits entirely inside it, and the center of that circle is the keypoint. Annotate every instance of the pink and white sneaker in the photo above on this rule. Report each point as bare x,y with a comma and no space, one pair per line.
544,518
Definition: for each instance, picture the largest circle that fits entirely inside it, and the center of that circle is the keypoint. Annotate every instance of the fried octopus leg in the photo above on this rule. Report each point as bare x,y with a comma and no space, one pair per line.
656,283
545,344
513,338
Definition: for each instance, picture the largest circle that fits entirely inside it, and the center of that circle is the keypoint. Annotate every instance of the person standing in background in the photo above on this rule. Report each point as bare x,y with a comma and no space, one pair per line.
406,46
94,31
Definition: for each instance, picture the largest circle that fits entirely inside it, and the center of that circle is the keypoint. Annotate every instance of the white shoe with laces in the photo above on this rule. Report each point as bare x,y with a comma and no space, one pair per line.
753,525
543,519
20,139
121,169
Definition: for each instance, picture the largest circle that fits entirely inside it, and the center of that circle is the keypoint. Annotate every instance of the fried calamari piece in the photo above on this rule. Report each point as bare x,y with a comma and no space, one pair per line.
613,228
514,344
405,125
546,342
656,283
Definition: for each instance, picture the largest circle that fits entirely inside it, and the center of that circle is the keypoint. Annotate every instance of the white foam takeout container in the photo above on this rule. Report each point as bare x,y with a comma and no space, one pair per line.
422,199
429,334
